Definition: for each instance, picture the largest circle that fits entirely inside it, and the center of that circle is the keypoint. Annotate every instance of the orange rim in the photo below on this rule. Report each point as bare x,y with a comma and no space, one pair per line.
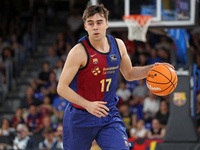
142,19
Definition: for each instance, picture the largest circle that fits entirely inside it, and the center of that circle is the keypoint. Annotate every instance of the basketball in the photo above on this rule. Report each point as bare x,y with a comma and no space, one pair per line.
161,80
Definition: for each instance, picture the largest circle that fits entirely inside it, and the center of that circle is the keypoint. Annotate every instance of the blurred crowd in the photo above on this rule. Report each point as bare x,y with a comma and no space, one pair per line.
38,121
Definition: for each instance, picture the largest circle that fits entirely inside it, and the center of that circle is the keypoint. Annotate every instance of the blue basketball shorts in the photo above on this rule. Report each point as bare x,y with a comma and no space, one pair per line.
80,128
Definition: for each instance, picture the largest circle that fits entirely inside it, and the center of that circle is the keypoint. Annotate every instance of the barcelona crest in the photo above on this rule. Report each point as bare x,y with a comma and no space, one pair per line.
95,60
179,98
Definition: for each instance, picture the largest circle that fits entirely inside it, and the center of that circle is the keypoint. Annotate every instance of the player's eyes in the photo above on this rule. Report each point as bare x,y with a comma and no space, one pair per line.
99,22
91,24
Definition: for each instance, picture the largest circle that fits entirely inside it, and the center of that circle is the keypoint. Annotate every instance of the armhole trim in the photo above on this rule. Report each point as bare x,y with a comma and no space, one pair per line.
88,56
117,48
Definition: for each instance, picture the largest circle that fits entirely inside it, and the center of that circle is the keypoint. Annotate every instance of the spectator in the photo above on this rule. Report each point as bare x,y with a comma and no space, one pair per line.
2,68
67,49
130,85
7,55
18,118
163,114
49,142
23,141
46,108
43,77
123,93
139,131
164,43
141,48
52,58
130,45
142,59
139,93
29,99
3,44
46,123
137,101
164,55
60,46
17,48
74,21
156,132
3,27
151,41
58,68
3,72
27,39
195,46
127,117
60,36
165,98
59,105
151,106
153,57
34,119
39,95
59,136
50,88
6,128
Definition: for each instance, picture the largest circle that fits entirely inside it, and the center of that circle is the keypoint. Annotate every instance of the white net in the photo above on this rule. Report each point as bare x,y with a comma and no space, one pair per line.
137,27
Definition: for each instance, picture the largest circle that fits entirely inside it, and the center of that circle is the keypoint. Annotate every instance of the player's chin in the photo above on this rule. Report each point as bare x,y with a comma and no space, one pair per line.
96,38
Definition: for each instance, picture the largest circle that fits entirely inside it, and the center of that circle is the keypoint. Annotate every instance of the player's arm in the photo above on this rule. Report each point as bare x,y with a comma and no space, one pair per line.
76,59
132,73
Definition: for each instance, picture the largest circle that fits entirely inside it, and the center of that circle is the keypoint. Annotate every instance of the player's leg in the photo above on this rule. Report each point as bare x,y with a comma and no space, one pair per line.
113,136
77,135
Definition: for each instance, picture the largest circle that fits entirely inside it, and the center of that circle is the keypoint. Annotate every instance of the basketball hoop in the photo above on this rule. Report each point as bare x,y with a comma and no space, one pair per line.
137,26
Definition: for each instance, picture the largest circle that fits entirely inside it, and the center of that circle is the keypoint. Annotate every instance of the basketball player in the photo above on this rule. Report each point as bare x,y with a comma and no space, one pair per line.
89,81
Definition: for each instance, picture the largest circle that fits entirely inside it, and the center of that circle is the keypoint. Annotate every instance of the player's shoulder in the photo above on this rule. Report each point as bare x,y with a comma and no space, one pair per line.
77,52
121,45
77,49
119,41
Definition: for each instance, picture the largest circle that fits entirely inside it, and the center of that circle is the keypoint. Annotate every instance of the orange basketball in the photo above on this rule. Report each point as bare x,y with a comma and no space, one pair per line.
161,80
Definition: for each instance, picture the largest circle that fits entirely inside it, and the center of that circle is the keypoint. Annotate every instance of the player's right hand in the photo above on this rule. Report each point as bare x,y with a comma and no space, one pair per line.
97,108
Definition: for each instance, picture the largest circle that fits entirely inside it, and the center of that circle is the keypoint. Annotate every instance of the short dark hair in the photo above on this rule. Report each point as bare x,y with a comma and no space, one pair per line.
47,130
94,9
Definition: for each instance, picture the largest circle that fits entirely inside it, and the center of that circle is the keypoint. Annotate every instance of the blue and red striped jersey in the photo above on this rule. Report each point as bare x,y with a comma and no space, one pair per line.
97,81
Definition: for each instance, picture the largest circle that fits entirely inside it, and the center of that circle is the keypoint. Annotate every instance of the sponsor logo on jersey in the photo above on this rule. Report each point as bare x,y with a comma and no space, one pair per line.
110,70
95,60
96,71
179,98
113,57
153,88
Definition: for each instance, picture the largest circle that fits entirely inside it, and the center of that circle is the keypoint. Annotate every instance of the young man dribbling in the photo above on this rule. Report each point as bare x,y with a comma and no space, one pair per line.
89,81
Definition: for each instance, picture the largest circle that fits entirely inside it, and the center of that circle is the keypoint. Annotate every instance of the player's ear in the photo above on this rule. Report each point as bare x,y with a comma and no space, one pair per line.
85,27
107,24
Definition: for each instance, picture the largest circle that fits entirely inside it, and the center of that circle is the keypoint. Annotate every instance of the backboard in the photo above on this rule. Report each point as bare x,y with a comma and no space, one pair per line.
166,13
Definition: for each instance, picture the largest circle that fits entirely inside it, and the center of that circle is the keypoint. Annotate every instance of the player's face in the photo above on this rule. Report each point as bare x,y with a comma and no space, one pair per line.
96,26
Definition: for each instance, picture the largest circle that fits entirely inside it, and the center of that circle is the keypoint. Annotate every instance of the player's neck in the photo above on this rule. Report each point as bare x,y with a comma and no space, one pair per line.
101,45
